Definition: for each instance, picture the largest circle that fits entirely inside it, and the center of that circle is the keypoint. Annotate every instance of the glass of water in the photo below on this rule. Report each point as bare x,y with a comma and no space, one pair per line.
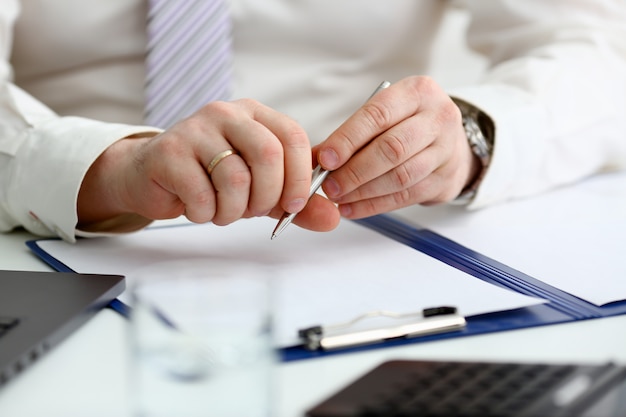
201,340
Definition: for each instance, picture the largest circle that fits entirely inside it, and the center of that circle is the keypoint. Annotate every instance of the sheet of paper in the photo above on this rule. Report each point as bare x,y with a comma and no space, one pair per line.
569,238
323,278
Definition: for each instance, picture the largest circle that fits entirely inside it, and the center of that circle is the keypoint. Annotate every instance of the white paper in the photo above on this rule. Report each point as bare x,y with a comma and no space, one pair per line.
573,238
324,278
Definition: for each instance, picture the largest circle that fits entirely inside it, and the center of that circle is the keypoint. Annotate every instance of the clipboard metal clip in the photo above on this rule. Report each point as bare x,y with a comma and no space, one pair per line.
428,321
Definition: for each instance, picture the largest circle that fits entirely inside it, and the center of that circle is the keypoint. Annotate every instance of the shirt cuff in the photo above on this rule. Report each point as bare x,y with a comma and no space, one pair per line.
49,168
516,144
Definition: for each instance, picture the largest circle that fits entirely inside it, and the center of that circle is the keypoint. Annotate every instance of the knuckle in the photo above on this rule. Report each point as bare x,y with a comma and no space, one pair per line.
260,208
249,106
222,220
427,90
238,179
206,199
449,114
403,198
378,115
424,85
368,207
201,208
248,102
270,152
412,172
193,126
394,148
170,145
292,136
344,140
354,176
298,182
403,176
222,110
298,139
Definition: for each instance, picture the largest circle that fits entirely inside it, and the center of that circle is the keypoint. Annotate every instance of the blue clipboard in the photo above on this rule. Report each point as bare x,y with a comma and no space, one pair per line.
560,308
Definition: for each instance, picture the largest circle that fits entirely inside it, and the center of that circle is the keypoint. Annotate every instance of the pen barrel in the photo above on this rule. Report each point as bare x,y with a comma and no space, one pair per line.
317,178
319,175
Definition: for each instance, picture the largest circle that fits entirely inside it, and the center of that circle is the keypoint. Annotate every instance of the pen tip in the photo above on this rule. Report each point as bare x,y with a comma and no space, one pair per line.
282,225
277,232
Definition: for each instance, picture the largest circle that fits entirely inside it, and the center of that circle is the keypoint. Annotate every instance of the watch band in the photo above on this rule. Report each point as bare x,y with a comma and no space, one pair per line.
479,131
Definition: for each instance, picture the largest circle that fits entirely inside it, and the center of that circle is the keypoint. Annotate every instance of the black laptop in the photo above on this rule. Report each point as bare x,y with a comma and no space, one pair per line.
414,388
40,309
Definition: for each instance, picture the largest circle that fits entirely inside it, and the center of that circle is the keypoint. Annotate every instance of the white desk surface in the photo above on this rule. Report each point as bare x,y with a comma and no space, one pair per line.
84,376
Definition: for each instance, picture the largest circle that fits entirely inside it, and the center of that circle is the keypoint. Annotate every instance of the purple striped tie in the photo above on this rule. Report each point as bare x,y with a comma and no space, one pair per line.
188,62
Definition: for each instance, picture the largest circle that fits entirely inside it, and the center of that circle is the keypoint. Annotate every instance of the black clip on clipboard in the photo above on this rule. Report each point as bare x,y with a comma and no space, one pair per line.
428,321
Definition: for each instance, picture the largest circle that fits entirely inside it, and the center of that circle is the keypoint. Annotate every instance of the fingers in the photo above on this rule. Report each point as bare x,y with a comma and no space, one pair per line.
387,157
231,182
278,154
257,158
405,146
319,214
250,183
377,115
172,180
296,159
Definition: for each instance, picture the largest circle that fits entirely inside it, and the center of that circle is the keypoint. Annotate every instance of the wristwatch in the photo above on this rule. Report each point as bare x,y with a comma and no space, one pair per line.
479,131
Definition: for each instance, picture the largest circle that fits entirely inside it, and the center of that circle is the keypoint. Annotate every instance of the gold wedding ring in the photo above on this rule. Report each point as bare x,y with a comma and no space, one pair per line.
218,158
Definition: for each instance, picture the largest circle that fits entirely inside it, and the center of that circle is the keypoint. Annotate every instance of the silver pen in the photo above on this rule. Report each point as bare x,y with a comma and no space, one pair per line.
317,178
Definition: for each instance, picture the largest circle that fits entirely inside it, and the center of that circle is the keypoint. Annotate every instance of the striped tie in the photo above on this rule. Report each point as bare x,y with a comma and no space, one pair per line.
188,61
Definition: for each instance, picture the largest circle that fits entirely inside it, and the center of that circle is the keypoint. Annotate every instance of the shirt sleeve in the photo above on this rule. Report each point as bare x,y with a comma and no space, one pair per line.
555,90
43,157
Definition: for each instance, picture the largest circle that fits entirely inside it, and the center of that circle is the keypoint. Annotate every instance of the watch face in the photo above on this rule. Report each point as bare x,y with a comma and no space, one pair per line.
480,141
476,139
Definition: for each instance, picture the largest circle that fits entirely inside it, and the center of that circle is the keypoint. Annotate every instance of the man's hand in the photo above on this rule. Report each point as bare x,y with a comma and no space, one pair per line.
166,176
405,146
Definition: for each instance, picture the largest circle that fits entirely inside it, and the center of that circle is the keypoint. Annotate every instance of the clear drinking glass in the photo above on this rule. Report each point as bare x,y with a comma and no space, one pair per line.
201,340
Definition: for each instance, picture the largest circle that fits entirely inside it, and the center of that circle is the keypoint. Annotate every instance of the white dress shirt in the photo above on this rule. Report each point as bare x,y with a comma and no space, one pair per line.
555,88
